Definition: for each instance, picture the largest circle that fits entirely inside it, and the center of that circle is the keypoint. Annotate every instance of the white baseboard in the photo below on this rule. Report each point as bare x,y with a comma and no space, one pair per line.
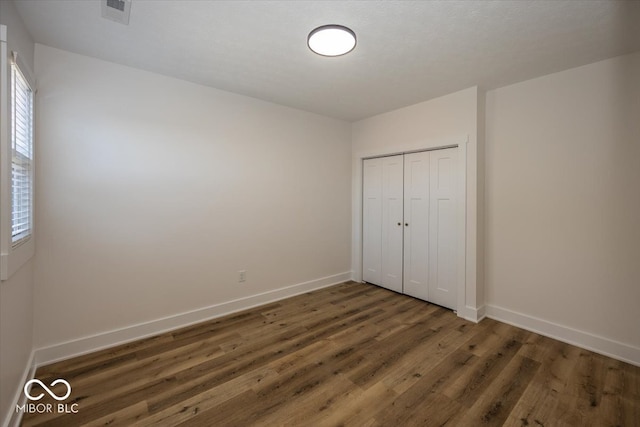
472,314
78,347
13,417
617,350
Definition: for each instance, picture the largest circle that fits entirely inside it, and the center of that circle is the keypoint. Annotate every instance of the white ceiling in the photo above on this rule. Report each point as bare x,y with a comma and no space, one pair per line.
407,52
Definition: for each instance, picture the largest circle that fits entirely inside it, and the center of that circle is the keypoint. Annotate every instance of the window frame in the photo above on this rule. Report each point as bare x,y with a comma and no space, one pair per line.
13,255
21,160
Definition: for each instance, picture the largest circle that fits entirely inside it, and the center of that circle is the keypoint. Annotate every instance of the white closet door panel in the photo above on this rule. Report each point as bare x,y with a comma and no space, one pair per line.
442,227
372,221
416,224
392,201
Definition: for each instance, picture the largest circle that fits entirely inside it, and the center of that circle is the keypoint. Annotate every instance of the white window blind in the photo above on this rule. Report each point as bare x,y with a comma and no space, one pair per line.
21,157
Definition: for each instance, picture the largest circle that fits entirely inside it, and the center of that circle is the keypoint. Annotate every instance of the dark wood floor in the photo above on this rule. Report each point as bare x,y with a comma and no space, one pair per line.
352,355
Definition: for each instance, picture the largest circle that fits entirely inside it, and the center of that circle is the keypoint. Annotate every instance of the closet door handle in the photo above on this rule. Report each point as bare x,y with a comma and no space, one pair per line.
399,223
406,224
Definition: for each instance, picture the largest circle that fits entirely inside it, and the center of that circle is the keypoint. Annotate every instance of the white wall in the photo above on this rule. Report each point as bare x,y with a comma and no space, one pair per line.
450,119
153,192
16,294
563,204
16,336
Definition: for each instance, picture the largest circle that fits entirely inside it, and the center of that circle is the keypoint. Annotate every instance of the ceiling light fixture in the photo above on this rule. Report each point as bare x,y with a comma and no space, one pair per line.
331,40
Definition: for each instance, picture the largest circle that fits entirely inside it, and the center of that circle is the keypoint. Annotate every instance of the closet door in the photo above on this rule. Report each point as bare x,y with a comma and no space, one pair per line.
416,224
409,224
382,222
392,200
442,227
372,221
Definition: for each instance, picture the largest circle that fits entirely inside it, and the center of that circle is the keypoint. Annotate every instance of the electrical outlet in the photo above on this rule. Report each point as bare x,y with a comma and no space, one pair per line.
242,276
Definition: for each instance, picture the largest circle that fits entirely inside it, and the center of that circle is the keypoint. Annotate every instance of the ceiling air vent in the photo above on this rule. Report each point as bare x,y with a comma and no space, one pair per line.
116,10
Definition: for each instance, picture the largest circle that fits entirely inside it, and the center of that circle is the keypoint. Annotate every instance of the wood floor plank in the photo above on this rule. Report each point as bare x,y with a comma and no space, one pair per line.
612,401
408,407
229,412
432,409
579,402
316,400
199,378
480,374
208,399
91,394
95,360
496,403
126,416
212,373
536,347
353,355
357,408
395,347
538,402
487,338
424,358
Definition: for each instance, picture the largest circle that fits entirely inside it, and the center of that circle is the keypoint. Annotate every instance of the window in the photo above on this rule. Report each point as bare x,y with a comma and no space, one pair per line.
21,156
17,90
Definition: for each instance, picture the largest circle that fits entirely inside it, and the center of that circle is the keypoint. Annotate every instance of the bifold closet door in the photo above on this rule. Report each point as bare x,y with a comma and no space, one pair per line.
372,221
416,224
430,234
442,227
382,222
409,224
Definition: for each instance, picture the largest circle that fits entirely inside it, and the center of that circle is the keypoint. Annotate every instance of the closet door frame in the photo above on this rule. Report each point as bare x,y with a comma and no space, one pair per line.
460,144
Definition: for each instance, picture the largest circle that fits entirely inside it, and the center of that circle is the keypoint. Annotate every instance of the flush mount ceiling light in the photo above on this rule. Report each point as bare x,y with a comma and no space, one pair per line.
331,40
